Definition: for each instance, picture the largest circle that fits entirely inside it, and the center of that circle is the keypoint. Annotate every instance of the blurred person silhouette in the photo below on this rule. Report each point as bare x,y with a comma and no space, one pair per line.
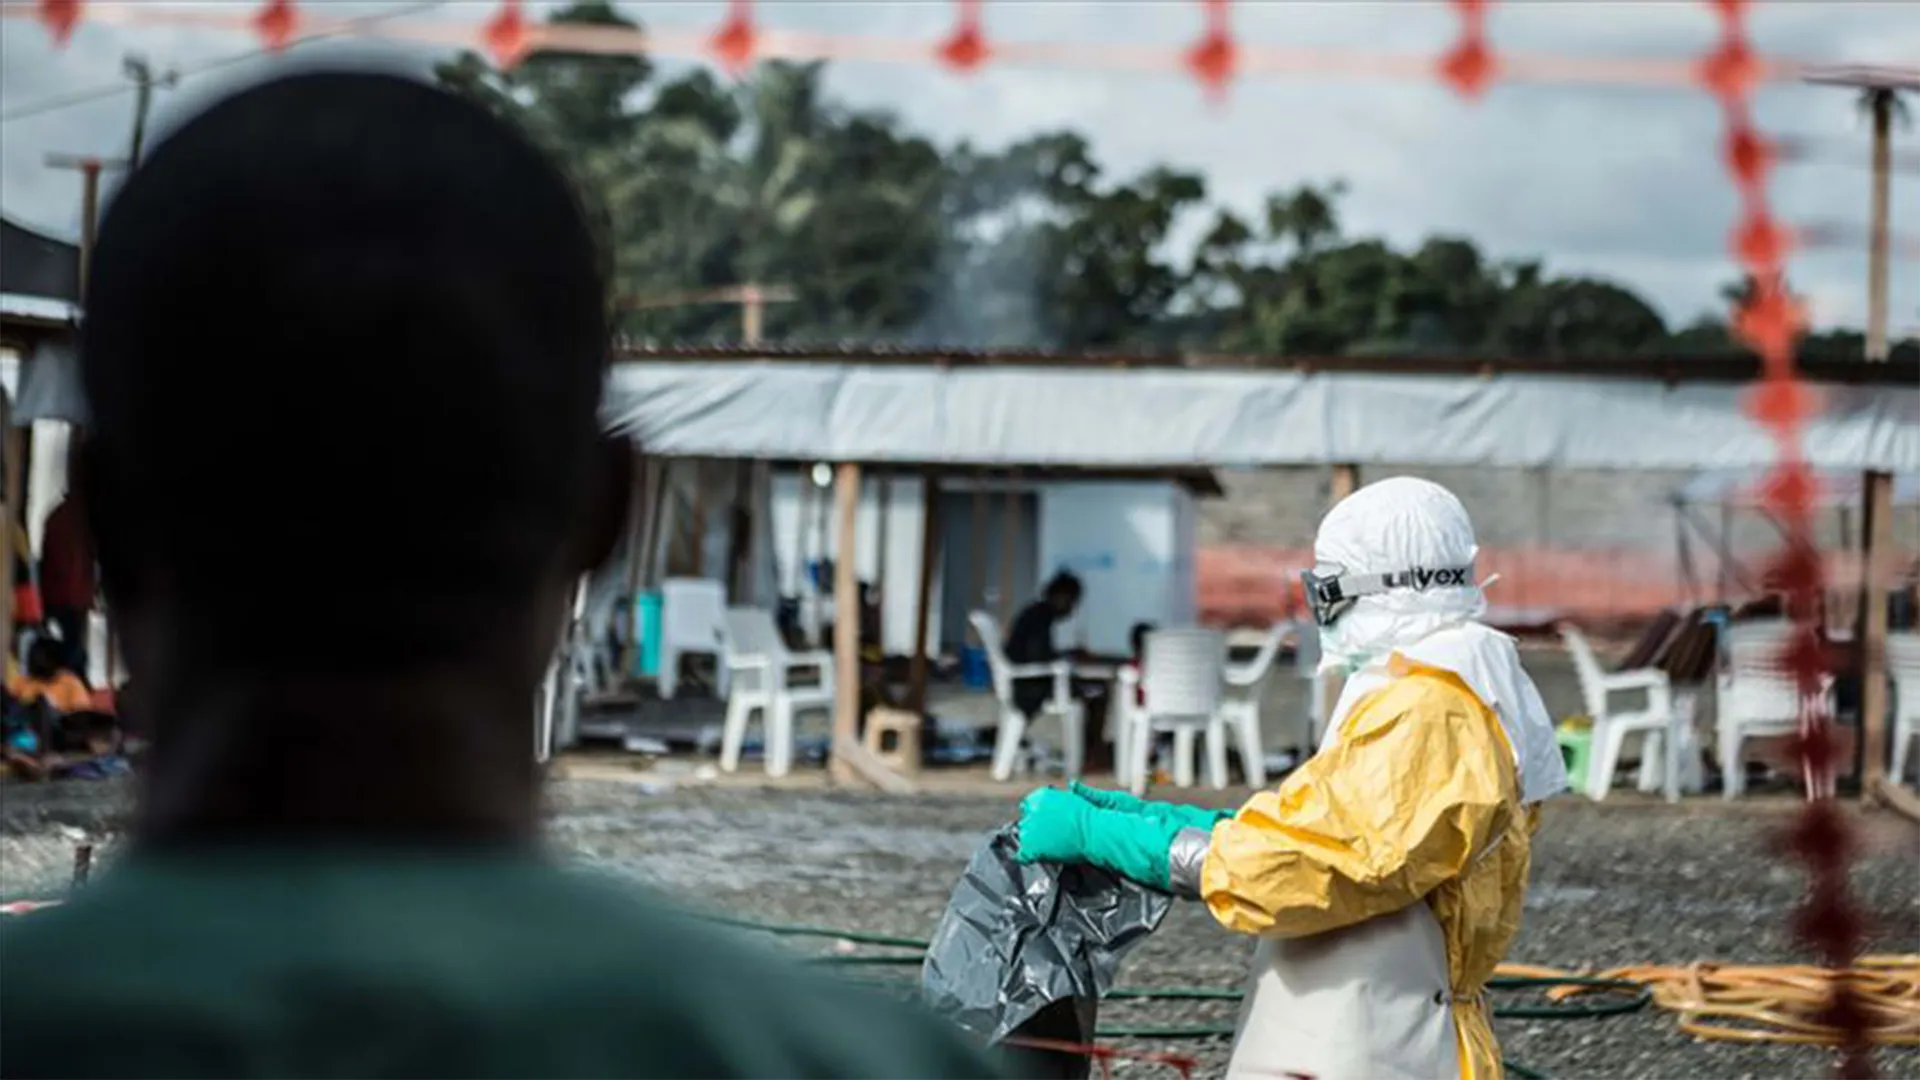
48,678
67,579
384,301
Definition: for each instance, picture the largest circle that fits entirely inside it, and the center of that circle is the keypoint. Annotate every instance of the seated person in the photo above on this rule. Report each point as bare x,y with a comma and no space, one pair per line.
46,679
22,750
90,748
1030,641
1030,638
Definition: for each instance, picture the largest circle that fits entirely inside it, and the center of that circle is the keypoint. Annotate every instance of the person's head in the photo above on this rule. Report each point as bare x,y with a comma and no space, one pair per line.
43,658
101,733
1063,593
1393,563
375,316
1137,639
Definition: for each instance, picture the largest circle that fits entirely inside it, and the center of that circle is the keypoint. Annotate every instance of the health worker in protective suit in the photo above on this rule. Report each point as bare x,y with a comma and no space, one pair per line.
1384,878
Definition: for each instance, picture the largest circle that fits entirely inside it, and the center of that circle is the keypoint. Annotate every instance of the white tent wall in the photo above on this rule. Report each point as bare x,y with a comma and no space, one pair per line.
1131,542
1131,545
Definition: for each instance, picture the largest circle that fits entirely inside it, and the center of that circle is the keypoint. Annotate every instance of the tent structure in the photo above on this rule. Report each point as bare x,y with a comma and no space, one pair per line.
935,411
1741,488
1071,412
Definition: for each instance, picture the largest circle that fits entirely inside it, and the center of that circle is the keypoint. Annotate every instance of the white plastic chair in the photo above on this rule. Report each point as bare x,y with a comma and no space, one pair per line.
1013,723
1184,673
1306,665
1123,719
1240,704
1903,667
1657,722
1757,697
692,623
759,666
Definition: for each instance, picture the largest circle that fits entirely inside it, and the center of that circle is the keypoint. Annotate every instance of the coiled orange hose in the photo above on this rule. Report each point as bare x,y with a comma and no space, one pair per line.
1774,1003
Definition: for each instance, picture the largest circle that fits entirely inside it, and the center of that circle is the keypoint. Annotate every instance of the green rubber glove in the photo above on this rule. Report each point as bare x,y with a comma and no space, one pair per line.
1188,817
1060,827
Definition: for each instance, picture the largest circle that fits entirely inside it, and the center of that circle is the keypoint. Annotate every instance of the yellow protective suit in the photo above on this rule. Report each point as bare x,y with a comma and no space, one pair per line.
1417,801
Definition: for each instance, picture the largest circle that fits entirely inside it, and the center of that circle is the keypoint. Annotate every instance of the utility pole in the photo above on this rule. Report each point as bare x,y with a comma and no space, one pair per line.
141,73
1879,90
89,169
752,300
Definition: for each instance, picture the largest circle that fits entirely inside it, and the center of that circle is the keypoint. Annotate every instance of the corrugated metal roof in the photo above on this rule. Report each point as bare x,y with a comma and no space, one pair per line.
1672,368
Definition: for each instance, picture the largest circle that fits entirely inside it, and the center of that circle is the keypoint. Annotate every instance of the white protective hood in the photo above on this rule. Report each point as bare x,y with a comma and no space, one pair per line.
1405,523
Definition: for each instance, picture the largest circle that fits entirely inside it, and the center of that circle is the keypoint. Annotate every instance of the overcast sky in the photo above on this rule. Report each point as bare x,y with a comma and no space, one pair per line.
1624,184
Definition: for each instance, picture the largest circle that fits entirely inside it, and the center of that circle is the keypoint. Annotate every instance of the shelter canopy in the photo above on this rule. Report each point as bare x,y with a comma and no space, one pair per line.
1169,416
1742,488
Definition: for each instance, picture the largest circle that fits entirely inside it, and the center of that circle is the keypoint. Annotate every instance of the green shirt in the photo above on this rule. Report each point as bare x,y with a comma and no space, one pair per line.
283,964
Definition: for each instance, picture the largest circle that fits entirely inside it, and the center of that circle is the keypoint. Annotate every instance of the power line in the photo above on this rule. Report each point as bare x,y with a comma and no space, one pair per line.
101,93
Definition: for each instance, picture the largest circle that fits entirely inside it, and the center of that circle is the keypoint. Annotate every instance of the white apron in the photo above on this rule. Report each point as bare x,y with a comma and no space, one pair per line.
1369,1002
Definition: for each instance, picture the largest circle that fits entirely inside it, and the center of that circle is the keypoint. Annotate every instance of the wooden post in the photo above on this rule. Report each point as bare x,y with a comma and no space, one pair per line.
923,596
1877,219
89,169
846,624
1876,533
752,314
1345,479
849,760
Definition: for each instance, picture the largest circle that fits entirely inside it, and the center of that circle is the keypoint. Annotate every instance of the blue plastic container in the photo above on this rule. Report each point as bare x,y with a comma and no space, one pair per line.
647,609
973,668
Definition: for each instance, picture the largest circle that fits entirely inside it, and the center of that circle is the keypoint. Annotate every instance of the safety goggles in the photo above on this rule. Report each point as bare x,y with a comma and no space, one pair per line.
1331,592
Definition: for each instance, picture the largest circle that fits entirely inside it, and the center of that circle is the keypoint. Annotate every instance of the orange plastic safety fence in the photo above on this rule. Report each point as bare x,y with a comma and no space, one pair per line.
1769,319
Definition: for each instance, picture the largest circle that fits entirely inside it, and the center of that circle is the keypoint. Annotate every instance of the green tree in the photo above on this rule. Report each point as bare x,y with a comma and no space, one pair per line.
884,236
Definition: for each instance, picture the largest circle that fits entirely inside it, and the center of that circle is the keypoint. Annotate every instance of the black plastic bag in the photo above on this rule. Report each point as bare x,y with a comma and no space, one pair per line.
1030,950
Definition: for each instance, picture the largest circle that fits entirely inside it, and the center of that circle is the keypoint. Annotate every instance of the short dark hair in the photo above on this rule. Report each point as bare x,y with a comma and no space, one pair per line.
45,657
345,343
1064,586
1137,637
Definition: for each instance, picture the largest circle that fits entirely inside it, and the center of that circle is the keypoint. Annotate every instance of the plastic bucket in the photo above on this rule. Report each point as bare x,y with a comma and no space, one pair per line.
973,668
647,609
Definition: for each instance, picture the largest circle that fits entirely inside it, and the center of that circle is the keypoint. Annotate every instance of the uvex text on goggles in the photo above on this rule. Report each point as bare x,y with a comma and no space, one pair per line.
1330,593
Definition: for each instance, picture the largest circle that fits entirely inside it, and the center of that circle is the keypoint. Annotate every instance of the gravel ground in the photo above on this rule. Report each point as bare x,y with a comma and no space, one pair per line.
1630,883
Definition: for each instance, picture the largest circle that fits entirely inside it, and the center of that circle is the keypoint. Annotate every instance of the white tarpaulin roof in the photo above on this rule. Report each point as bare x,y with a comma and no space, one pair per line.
1741,487
1161,417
